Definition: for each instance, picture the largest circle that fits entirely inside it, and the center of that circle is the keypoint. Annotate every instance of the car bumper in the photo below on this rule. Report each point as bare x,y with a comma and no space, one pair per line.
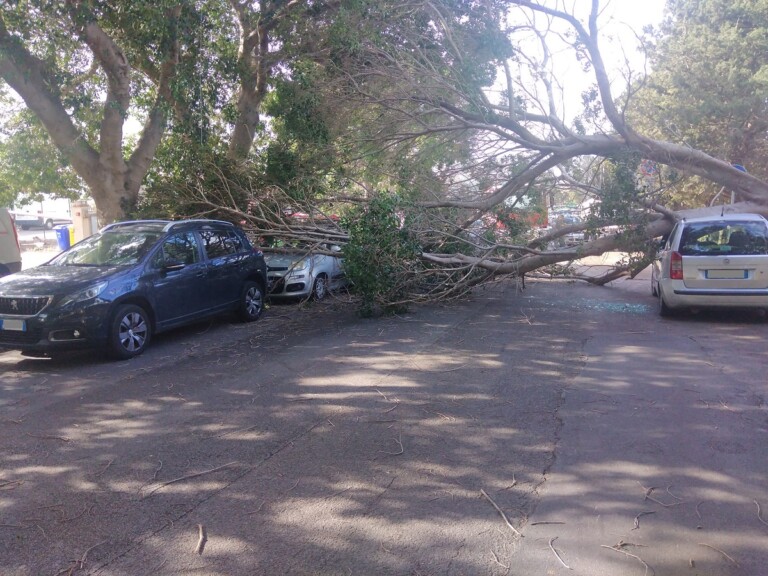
289,287
60,332
676,295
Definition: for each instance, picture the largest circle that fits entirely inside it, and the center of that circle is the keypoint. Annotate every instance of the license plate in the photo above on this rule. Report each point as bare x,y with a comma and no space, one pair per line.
727,274
13,324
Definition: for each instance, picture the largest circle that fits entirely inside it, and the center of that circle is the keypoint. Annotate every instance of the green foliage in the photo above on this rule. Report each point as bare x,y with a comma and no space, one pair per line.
381,259
30,164
709,87
619,192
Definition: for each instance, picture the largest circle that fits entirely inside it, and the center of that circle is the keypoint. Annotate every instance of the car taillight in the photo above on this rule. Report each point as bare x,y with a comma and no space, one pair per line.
676,266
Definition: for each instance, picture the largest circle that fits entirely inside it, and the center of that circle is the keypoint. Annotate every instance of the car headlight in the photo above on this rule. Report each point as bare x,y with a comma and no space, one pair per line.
301,265
84,295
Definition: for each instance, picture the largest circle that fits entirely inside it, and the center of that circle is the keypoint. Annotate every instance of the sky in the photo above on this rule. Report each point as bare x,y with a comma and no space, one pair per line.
620,22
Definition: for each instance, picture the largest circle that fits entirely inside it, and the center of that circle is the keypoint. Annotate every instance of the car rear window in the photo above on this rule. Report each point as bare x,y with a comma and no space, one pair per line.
724,237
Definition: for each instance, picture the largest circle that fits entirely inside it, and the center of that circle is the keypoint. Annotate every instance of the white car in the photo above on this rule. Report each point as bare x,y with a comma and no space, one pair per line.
10,253
304,273
713,262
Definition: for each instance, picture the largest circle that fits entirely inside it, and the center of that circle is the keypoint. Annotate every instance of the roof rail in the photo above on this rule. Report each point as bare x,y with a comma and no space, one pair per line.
179,223
131,223
167,224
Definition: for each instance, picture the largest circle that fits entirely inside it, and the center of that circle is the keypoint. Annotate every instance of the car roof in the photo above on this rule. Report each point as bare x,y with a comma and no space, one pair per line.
727,218
166,225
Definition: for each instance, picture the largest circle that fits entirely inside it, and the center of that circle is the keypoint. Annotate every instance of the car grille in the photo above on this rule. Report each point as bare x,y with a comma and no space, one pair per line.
277,268
12,337
23,306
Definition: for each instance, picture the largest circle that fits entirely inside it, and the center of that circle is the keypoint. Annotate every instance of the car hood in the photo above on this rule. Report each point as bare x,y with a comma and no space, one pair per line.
54,280
284,260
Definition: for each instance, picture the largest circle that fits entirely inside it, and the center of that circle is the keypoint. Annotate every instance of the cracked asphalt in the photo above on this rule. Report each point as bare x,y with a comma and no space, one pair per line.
315,442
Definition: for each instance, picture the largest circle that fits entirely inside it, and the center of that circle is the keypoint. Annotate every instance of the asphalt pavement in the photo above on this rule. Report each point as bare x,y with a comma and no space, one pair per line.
564,428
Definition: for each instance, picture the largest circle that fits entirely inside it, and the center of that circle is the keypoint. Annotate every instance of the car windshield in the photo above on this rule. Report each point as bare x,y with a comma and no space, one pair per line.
724,237
112,248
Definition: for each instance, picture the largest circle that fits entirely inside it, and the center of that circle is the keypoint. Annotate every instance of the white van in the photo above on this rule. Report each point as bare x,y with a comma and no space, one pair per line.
10,253
46,212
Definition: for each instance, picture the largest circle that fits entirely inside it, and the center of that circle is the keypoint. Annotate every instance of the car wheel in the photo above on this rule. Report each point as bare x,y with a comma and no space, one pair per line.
49,224
320,288
129,332
664,310
251,302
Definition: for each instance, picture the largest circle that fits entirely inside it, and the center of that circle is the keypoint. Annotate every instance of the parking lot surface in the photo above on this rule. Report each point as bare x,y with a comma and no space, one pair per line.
518,432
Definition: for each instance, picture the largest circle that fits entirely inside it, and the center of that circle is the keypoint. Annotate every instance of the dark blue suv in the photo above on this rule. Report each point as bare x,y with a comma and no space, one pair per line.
116,288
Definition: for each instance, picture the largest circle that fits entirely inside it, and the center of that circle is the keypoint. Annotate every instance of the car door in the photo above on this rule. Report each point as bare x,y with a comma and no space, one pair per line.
226,258
177,274
336,264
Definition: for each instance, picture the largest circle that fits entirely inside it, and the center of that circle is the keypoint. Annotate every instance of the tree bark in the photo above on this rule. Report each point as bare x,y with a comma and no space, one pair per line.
113,181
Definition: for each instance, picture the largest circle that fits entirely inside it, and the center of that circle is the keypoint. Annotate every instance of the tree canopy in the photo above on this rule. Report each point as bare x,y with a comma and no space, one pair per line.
449,112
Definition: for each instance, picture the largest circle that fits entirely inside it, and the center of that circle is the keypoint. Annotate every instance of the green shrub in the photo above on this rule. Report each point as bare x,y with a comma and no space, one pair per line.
381,258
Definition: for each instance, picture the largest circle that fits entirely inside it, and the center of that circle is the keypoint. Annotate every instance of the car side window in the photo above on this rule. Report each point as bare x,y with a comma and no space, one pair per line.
178,249
219,243
667,240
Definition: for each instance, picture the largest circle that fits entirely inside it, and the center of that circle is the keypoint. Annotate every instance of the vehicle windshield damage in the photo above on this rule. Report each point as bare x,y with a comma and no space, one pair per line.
731,238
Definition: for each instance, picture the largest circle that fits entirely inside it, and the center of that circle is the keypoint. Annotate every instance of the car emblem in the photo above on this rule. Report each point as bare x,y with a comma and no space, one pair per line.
726,261
14,305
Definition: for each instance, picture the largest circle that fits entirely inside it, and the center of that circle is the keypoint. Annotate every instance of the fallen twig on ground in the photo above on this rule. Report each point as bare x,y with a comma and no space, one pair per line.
514,483
648,496
496,559
619,548
202,539
637,518
105,468
758,512
721,552
188,477
60,438
501,512
699,513
399,442
86,510
544,523
79,564
556,554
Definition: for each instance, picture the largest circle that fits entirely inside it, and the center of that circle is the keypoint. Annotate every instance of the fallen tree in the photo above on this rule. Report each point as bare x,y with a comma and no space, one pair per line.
474,157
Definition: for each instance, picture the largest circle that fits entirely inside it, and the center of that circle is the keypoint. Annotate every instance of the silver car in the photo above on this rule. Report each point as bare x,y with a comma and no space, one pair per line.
713,262
303,273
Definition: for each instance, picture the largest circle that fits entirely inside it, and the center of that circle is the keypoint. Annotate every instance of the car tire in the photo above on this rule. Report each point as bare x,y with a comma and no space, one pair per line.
49,224
654,287
664,310
320,287
129,332
251,302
